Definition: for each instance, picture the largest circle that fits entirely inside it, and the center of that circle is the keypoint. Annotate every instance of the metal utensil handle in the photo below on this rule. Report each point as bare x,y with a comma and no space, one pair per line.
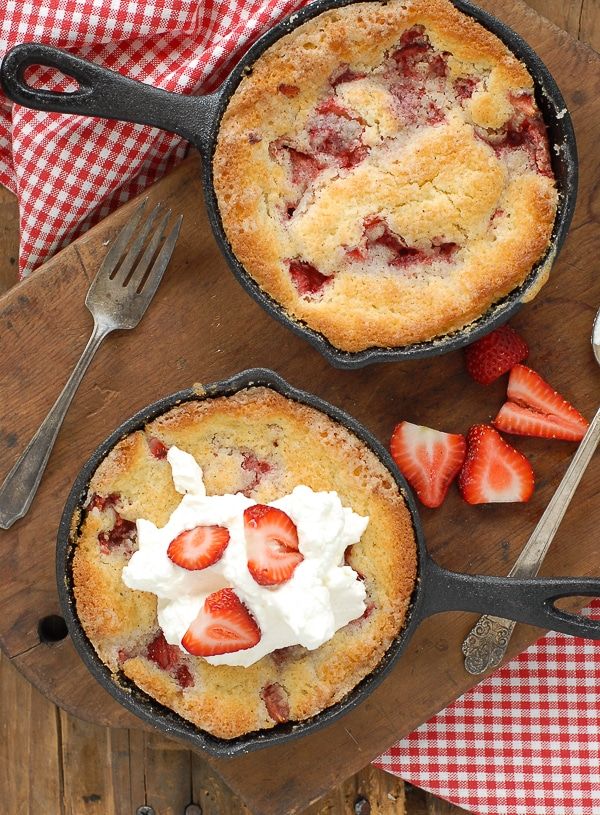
486,644
20,485
105,93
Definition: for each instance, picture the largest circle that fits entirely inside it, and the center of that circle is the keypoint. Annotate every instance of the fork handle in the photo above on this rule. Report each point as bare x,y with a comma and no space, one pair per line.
20,485
486,644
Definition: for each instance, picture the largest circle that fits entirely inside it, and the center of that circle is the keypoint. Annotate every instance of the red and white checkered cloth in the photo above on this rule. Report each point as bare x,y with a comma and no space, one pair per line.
70,171
525,741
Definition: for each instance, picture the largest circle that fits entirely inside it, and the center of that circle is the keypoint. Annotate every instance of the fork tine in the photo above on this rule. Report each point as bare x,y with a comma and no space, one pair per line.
132,255
160,264
144,264
142,267
115,252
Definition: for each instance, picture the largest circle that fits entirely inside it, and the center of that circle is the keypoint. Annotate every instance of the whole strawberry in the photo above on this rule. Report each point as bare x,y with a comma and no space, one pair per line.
495,354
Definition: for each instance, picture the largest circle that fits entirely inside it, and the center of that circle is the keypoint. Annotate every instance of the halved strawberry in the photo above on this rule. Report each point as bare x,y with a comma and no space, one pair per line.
495,354
199,547
428,459
224,625
494,472
272,544
534,408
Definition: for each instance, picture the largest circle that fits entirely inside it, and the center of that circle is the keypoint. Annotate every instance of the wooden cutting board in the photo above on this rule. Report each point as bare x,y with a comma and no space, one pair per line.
202,327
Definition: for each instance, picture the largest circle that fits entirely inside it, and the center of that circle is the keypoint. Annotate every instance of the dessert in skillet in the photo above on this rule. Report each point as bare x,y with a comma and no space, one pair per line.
383,173
244,560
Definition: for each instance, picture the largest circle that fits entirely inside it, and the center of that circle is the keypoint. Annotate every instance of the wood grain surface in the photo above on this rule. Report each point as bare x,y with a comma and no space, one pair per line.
484,539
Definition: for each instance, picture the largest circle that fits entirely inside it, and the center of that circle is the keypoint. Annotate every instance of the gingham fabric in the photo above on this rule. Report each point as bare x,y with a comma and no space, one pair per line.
525,741
70,171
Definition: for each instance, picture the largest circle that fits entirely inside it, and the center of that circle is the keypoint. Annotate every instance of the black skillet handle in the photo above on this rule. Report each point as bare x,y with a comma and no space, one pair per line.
528,600
107,94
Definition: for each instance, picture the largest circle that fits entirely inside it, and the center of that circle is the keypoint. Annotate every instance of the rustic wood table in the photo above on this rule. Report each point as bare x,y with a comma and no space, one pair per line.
54,763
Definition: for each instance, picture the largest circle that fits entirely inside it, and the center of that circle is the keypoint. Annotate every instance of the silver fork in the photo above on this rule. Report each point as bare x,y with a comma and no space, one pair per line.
117,298
487,642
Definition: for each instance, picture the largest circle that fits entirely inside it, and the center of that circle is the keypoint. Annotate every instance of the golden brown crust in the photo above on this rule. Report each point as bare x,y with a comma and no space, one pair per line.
430,181
300,445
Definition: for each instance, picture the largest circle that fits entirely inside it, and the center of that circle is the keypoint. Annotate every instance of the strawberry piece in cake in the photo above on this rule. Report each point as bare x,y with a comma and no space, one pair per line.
344,74
103,502
399,254
168,657
334,131
276,701
258,467
164,655
464,87
157,448
288,90
307,280
122,532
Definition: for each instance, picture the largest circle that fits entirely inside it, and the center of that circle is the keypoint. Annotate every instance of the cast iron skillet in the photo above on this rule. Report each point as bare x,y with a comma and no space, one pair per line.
436,589
197,118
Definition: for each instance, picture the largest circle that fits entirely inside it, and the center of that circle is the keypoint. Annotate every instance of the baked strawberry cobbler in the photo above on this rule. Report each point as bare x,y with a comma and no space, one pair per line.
244,560
383,173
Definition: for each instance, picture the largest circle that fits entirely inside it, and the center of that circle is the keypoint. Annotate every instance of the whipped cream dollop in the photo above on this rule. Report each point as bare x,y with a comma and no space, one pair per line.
321,597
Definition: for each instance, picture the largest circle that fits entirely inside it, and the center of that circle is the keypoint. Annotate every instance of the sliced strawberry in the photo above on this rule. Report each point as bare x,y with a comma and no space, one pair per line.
163,654
495,354
199,547
272,544
276,701
522,421
494,472
428,459
534,408
307,280
224,625
157,448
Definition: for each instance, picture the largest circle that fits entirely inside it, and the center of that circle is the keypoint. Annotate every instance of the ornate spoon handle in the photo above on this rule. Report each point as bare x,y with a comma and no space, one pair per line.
486,644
